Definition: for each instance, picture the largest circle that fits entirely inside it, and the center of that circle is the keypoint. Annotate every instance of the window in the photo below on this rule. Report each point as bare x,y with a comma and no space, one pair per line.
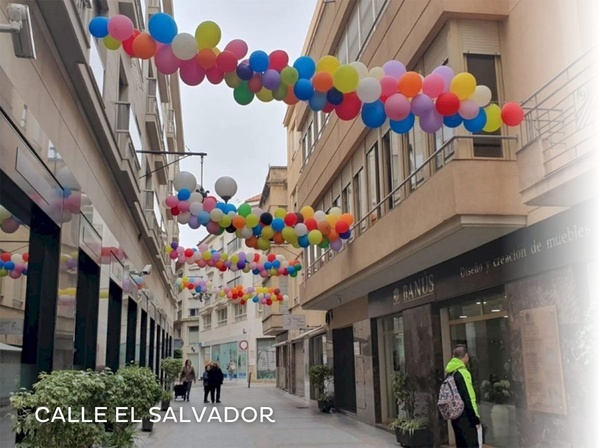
221,317
239,312
416,154
206,321
360,205
193,335
391,164
233,245
373,192
193,312
283,285
236,281
347,204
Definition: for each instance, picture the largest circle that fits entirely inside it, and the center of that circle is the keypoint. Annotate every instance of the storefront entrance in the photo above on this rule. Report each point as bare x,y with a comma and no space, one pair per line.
343,369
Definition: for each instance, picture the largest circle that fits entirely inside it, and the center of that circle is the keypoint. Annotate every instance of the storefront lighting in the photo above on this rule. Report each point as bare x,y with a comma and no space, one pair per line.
496,310
462,317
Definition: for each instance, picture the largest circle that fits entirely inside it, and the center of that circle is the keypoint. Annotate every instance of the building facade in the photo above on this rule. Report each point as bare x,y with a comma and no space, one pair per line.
483,240
84,281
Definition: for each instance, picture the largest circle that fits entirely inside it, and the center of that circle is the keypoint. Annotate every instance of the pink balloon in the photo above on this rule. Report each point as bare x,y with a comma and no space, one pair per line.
433,85
10,225
446,73
389,86
209,204
14,274
397,107
214,75
238,47
166,62
431,122
183,206
468,109
191,73
395,69
213,227
420,105
173,255
120,27
171,201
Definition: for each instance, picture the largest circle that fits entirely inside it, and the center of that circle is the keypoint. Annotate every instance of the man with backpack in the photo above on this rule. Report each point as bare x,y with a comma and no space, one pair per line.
457,400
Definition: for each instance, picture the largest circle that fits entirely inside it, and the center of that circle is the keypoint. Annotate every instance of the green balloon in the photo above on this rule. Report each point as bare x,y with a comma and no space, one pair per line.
280,92
289,76
242,95
244,210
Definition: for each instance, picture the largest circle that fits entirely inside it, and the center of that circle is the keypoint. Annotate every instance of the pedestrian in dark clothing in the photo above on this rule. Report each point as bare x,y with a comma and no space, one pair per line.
219,379
466,426
214,380
206,382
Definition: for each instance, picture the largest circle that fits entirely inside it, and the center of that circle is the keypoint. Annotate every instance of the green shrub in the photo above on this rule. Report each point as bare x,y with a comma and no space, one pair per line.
172,368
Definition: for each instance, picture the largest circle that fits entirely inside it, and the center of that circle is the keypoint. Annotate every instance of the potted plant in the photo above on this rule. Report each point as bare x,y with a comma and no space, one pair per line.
178,353
411,430
140,392
499,394
165,400
320,378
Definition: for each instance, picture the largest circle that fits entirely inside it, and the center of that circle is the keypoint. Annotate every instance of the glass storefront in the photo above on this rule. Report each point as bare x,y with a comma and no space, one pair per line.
224,353
265,359
391,340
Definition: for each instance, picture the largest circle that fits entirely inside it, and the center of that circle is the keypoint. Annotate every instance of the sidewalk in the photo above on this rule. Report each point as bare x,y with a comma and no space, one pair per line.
296,425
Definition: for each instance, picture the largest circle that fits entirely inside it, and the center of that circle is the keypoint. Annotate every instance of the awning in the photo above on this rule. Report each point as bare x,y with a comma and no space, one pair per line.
8,348
313,332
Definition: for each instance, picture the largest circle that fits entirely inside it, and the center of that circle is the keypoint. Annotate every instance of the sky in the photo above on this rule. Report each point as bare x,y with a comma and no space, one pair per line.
241,141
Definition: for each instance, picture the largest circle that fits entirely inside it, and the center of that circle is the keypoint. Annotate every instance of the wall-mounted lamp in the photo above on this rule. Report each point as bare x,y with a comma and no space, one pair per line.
19,26
146,271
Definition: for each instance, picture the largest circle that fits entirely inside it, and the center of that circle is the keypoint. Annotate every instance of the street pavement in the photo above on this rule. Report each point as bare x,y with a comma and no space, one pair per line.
296,423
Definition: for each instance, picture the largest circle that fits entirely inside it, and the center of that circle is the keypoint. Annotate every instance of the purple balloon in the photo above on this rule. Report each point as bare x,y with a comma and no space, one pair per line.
394,69
431,122
271,79
10,225
446,73
244,72
241,264
421,105
336,244
194,223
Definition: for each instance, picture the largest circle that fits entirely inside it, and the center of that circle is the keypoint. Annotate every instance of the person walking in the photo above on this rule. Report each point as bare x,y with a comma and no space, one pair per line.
188,375
218,379
231,369
467,425
207,387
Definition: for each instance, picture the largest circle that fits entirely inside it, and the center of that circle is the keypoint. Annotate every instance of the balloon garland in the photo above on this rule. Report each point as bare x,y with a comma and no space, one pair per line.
8,222
259,229
381,93
13,265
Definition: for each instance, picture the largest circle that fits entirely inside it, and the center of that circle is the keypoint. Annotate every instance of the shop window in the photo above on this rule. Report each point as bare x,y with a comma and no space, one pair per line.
391,330
265,359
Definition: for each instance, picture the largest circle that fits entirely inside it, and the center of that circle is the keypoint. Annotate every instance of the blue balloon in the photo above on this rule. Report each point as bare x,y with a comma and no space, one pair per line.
24,272
259,61
230,208
255,271
162,27
255,299
318,101
453,121
476,124
1,264
278,224
276,264
99,27
334,96
303,241
184,194
222,206
303,90
198,288
291,269
373,114
346,235
203,217
257,230
305,66
9,265
403,126
268,265
244,72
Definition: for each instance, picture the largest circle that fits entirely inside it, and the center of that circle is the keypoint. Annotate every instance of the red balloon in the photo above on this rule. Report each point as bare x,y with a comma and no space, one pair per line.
214,75
175,211
512,114
25,257
190,286
271,257
189,252
290,219
269,302
310,223
447,104
255,84
349,108
328,108
226,61
128,43
278,60
341,226
5,256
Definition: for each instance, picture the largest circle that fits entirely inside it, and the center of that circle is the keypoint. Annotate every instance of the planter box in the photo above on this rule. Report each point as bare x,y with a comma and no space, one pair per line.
147,425
421,438
325,405
164,405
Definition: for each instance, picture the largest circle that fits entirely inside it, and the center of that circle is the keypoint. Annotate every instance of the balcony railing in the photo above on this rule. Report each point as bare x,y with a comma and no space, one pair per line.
435,162
561,114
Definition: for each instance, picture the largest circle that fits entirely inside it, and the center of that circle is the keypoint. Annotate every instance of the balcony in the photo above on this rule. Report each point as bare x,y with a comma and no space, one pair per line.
272,325
171,130
557,158
154,128
446,207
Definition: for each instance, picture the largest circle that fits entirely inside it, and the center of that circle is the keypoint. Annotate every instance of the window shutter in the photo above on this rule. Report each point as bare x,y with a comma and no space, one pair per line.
479,37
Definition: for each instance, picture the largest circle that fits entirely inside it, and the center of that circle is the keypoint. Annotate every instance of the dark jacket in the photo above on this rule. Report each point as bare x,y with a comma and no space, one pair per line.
215,377
205,378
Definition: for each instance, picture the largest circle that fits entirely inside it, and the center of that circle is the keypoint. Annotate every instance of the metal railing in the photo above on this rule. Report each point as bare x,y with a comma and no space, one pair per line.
561,114
435,162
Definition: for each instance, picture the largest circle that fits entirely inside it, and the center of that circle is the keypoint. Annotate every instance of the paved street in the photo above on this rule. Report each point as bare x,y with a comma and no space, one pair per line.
295,424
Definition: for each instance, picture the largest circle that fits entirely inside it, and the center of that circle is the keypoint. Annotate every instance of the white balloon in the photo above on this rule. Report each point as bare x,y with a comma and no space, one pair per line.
320,216
184,46
216,214
361,68
377,73
246,232
300,229
335,211
184,179
196,197
184,218
482,96
195,208
16,258
369,90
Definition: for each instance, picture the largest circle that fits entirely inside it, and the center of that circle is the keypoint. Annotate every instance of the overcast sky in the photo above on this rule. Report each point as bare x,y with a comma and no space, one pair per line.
241,141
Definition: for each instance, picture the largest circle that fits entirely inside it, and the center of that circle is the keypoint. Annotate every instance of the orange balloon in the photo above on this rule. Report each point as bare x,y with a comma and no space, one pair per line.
333,235
324,227
290,99
238,222
278,238
252,242
410,84
347,217
144,46
322,81
206,58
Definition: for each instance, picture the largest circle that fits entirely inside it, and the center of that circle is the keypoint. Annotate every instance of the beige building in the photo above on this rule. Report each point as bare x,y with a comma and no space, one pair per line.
82,211
459,239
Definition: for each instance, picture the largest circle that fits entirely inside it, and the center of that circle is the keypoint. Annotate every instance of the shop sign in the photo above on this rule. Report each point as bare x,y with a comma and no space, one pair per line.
416,288
294,322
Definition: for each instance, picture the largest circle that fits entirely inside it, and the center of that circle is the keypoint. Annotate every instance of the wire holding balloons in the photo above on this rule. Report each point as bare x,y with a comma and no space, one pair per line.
390,92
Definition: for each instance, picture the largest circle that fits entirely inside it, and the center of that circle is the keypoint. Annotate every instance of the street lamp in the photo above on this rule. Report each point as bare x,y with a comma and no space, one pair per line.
226,187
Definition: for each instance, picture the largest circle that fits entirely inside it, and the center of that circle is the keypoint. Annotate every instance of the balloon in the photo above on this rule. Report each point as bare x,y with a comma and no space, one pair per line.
307,212
432,122
264,95
446,73
397,107
300,229
328,108
10,225
266,218
290,98
373,114
482,96
494,118
468,109
242,95
335,97
433,85
290,219
322,81
183,195
318,101
369,90
111,43
226,62
184,180
191,73
162,27
328,64
238,47
395,69
244,72
512,114
289,76
278,60
349,108
214,75
453,121
171,201
421,105
315,237
99,27
447,104
185,47
195,208
206,58
255,84
360,68
463,85
183,205
345,78
377,73
120,27
259,61
305,67
271,79
410,84
232,80
389,86
166,62
303,89
128,43
403,126
476,124
336,245
144,46
208,35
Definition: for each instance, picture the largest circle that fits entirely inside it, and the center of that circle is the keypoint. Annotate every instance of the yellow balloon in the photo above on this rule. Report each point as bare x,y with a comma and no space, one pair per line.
328,64
463,85
111,43
345,78
225,221
493,118
265,95
216,51
288,234
208,35
279,213
315,237
168,249
224,256
263,244
307,211
332,219
267,232
252,220
206,255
